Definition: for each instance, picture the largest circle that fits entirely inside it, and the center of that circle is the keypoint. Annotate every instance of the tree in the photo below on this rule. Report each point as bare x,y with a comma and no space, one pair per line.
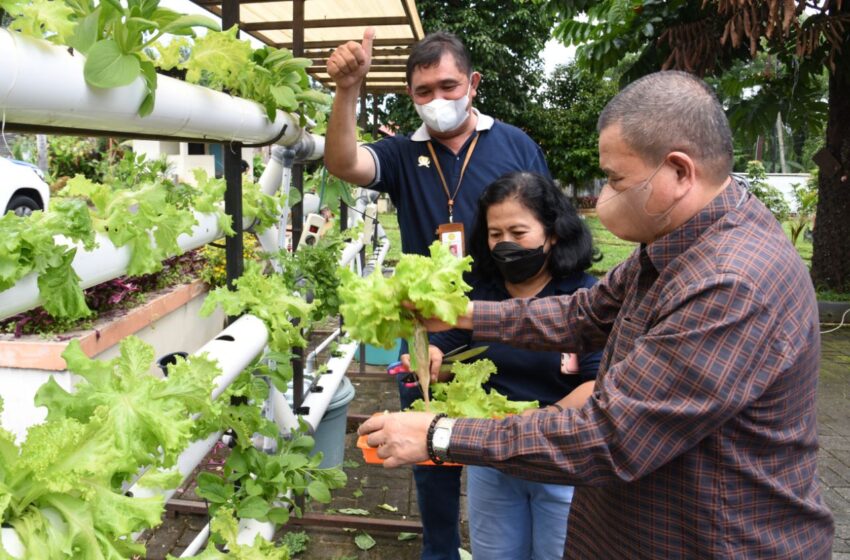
757,119
563,121
770,196
707,37
504,40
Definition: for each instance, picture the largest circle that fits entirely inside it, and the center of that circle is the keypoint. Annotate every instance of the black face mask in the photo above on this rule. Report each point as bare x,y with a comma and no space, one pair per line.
516,263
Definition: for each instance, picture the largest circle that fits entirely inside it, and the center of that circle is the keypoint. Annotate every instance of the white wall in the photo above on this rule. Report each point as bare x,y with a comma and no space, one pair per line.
784,182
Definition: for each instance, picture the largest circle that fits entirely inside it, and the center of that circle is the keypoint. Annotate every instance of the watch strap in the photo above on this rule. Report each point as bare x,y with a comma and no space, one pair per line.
430,439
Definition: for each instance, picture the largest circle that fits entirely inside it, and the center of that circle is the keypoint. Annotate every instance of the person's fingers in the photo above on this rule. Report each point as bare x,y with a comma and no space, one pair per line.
405,360
368,38
334,69
376,439
436,363
346,57
435,372
373,424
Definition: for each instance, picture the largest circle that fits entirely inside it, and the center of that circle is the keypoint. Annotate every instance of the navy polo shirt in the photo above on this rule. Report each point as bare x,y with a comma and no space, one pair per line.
404,170
525,375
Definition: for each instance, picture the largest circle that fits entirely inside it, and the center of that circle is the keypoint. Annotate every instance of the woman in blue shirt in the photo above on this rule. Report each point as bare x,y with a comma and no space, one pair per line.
527,241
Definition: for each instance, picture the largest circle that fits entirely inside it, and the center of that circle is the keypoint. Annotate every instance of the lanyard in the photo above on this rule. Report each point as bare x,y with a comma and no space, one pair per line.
450,196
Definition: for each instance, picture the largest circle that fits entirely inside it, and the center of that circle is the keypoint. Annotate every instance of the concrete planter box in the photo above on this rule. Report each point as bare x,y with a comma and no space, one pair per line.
168,321
832,311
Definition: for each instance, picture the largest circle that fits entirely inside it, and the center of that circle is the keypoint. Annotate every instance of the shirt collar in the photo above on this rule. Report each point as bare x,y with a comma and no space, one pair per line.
662,251
485,122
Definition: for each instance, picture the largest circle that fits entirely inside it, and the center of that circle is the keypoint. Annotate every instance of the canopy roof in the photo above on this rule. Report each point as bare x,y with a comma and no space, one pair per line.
329,23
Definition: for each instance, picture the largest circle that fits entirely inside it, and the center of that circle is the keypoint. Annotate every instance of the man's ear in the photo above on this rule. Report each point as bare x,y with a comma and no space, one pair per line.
683,165
475,81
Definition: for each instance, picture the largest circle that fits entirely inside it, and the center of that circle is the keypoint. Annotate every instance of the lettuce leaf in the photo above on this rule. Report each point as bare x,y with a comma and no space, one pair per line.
269,299
372,305
149,415
465,397
61,489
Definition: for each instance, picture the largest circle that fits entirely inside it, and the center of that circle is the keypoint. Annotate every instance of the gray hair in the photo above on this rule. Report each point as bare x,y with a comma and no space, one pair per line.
672,111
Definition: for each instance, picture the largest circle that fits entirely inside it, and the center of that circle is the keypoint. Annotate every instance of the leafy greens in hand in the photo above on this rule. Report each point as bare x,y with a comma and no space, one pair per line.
465,397
373,306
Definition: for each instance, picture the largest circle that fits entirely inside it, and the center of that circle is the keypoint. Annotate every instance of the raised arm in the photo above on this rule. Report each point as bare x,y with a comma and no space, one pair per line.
347,67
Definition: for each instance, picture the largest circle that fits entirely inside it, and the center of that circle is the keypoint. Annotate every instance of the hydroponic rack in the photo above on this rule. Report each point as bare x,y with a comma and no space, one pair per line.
42,88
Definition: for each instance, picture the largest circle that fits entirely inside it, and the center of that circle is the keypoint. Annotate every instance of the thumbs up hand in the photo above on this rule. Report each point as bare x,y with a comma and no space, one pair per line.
349,63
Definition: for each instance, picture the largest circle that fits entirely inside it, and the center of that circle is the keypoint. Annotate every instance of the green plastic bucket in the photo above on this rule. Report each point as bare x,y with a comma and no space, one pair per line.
330,435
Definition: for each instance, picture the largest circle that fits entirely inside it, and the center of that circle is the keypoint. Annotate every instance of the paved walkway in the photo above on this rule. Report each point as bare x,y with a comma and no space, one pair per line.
834,434
379,492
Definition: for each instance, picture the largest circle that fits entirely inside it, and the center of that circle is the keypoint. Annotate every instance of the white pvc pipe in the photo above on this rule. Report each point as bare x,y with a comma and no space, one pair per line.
235,348
377,258
101,264
351,250
42,84
186,463
250,528
268,240
283,416
310,361
197,542
285,187
318,402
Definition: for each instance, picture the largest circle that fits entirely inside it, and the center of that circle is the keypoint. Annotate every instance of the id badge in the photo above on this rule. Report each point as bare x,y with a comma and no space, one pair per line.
451,235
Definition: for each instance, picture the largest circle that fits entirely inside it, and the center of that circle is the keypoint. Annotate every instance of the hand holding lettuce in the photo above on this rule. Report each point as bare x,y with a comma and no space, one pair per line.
374,311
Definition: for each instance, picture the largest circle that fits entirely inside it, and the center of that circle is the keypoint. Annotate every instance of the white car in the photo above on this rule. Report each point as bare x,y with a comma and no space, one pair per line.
22,187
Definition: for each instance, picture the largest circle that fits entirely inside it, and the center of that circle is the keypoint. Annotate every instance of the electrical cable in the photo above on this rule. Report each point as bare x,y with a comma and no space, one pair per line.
840,324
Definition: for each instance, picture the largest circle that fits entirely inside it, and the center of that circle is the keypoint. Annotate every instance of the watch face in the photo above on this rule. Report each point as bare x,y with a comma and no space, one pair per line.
441,438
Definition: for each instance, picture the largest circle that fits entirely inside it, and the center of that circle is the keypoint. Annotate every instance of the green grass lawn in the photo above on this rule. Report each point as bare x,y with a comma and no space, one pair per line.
390,223
613,249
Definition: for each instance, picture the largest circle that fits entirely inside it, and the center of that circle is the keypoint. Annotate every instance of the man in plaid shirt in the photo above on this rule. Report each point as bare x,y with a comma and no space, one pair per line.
699,439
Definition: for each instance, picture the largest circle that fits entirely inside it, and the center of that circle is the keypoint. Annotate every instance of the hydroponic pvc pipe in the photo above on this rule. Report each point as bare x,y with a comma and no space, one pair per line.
42,84
233,349
197,542
377,258
310,360
100,264
318,402
351,250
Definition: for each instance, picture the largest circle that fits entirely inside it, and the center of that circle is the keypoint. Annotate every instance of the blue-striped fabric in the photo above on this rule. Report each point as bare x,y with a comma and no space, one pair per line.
700,438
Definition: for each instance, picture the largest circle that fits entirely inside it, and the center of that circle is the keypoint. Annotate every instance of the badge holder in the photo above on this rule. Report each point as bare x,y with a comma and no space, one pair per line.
451,235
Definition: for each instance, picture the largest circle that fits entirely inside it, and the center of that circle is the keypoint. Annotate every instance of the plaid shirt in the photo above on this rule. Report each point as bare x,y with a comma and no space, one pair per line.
699,440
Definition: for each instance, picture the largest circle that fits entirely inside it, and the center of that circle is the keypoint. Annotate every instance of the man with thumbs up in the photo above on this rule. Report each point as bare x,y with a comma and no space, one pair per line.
434,177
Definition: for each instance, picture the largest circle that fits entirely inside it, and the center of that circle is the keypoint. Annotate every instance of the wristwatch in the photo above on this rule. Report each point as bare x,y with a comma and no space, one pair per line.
441,438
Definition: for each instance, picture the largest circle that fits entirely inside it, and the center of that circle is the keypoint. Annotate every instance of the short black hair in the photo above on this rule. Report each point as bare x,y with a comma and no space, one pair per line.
431,49
571,254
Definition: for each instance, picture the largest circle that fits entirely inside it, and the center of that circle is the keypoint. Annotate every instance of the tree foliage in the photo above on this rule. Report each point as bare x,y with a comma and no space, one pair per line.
504,40
708,37
564,122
